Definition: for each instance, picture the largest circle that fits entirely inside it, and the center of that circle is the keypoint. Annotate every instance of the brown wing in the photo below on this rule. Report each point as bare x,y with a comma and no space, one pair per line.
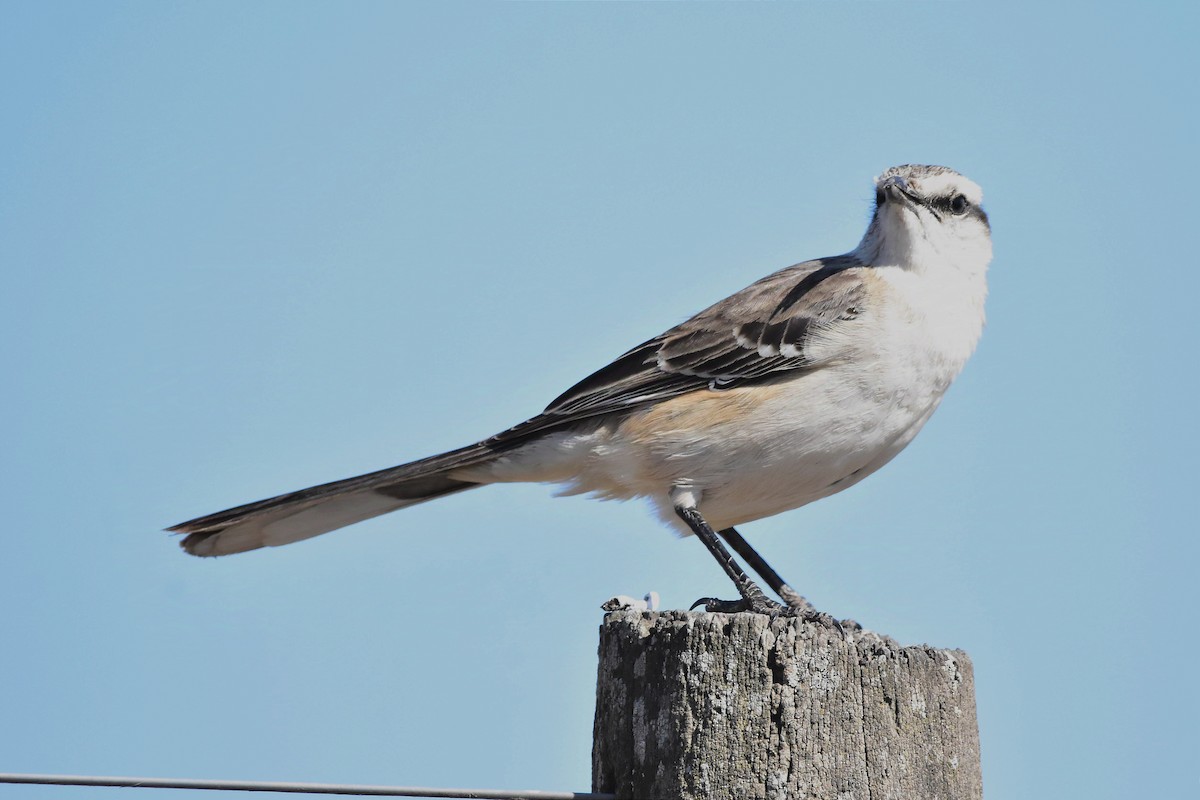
764,330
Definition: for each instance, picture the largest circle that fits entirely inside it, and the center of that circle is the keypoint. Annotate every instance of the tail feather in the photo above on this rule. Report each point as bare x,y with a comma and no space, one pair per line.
310,512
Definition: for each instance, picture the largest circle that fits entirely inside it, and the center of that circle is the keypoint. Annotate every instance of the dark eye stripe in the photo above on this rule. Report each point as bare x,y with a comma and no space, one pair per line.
955,204
943,204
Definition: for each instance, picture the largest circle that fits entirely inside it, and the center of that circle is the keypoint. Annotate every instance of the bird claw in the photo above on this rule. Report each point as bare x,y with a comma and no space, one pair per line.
757,604
764,605
823,619
712,604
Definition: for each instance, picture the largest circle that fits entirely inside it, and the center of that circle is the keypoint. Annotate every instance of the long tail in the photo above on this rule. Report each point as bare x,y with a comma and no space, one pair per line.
319,509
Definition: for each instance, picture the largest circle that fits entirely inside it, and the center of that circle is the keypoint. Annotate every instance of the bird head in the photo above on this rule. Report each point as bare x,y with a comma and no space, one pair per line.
928,217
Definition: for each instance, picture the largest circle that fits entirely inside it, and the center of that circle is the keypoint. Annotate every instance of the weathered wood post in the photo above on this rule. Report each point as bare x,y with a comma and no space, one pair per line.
725,706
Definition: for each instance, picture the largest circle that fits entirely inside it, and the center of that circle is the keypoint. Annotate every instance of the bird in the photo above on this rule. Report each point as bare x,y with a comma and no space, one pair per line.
788,391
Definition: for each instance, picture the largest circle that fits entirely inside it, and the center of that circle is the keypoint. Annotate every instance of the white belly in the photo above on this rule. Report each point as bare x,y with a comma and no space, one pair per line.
750,452
807,439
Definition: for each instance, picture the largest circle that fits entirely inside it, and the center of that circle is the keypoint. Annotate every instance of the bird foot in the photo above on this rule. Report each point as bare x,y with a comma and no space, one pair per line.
822,619
756,604
763,605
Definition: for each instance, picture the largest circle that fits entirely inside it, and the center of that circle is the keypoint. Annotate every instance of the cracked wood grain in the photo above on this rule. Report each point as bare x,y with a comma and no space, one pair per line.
715,706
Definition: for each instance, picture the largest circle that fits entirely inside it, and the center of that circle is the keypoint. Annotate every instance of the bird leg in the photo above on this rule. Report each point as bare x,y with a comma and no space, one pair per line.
757,563
795,601
753,598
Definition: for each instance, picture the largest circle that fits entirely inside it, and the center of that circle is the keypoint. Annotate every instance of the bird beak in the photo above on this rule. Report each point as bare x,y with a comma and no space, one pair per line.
898,189
901,191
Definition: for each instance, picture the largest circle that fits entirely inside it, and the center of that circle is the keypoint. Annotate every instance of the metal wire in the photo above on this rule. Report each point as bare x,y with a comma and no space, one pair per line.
298,788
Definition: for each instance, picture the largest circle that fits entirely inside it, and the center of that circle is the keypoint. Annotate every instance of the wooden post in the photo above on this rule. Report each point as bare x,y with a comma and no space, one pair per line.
725,706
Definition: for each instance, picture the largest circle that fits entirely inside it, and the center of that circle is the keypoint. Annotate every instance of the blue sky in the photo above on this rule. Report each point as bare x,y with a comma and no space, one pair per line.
252,247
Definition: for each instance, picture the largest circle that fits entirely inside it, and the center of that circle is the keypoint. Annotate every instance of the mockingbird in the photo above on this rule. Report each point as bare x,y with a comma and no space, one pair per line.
795,388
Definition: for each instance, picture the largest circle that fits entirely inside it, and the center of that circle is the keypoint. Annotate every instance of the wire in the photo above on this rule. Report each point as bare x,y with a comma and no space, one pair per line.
298,788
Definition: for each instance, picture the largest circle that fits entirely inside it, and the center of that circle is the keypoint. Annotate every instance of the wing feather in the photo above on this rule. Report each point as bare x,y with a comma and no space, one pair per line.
760,333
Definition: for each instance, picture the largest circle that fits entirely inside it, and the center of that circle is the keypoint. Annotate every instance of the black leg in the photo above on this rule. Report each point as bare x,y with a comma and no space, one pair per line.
759,565
795,601
753,598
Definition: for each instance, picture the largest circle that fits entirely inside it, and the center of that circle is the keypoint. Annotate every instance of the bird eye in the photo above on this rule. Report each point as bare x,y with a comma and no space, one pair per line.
958,205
